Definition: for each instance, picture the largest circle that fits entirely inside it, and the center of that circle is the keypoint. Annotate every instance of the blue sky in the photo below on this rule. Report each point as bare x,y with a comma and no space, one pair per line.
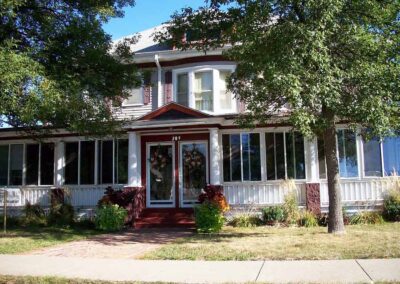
146,14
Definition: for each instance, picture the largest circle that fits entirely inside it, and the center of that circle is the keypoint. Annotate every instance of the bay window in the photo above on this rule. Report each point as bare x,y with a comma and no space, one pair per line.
204,88
241,157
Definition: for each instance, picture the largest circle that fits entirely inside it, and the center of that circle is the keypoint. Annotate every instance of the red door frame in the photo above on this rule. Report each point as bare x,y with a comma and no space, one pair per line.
170,138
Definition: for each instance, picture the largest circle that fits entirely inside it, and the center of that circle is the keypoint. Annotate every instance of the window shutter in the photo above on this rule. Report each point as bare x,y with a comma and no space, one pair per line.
147,91
168,87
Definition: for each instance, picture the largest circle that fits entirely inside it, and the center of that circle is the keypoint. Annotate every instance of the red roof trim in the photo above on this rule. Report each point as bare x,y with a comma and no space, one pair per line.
174,106
182,61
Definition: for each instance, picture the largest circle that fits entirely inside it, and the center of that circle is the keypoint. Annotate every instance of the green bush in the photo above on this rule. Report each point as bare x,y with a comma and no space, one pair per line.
308,219
208,218
273,214
366,217
61,214
290,208
245,220
110,217
33,215
391,206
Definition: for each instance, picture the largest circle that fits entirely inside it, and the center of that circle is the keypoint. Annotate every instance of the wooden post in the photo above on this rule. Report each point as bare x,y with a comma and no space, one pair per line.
5,212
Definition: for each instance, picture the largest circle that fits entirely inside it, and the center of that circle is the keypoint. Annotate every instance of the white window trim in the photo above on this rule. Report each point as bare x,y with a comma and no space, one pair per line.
216,86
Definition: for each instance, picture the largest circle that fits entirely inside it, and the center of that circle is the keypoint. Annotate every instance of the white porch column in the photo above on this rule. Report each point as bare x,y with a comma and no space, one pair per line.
311,152
215,154
59,158
133,160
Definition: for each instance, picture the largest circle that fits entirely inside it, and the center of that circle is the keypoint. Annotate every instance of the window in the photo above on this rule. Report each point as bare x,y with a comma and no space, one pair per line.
113,161
391,155
295,156
106,162
135,97
277,167
372,158
4,164
71,162
225,97
47,163
87,162
203,90
32,164
16,164
241,154
121,161
348,163
321,159
182,91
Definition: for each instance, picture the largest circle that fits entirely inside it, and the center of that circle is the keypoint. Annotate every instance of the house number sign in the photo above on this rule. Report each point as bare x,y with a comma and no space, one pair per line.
176,138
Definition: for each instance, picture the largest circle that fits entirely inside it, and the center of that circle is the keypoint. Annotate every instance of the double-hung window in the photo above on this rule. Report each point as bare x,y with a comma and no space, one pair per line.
203,90
241,157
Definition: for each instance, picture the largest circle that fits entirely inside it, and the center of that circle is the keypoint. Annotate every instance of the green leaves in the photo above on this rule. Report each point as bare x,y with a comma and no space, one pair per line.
58,66
307,56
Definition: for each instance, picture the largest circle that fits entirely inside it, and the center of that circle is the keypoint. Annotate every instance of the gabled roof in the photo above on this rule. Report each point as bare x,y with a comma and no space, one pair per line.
173,111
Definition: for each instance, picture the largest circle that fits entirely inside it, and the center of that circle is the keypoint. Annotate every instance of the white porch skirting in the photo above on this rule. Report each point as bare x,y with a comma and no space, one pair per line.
367,192
256,193
80,196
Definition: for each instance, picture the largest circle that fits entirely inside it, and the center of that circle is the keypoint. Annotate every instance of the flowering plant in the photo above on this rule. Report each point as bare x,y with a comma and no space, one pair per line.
213,194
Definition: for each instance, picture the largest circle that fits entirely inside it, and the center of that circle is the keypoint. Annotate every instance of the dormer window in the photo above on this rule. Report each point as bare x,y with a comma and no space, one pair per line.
204,88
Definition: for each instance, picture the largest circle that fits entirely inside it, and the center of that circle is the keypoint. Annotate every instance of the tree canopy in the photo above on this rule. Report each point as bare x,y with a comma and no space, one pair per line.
319,62
59,68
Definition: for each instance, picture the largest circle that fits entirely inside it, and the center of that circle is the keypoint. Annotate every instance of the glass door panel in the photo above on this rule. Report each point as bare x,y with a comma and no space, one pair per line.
193,171
160,173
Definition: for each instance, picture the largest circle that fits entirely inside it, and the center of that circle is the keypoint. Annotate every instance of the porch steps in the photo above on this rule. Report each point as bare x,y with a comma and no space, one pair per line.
165,217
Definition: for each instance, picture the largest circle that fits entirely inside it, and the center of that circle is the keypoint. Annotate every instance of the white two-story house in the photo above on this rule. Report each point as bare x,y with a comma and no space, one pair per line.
181,136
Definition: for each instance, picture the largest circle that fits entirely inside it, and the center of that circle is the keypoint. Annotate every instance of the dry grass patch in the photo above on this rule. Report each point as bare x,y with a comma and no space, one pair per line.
361,241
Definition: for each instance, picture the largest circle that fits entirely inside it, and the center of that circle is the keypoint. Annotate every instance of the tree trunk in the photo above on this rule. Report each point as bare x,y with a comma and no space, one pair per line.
335,223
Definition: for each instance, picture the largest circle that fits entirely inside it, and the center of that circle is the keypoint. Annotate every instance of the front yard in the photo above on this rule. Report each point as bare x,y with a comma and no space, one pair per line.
361,241
21,240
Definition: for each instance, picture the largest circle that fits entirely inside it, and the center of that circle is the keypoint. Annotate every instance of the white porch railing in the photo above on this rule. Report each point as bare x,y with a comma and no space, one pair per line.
259,193
354,192
81,196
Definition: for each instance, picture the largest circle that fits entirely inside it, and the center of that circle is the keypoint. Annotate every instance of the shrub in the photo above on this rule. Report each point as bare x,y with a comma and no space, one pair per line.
213,194
123,198
273,214
391,205
33,215
290,208
308,219
208,217
110,217
245,220
61,214
366,217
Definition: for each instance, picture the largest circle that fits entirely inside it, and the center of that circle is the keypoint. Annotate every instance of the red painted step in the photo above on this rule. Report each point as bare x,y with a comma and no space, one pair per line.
165,217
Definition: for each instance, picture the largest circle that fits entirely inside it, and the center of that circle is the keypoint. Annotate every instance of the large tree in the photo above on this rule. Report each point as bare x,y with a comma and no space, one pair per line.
325,60
58,68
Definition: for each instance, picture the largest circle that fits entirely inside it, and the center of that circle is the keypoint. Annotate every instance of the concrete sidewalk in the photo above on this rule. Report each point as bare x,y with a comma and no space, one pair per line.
338,271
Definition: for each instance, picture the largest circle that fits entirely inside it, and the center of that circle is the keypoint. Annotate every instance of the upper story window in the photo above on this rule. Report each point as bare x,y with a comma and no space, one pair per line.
204,88
135,97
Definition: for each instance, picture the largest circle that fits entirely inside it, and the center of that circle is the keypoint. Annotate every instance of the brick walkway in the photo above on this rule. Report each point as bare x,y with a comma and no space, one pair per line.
129,244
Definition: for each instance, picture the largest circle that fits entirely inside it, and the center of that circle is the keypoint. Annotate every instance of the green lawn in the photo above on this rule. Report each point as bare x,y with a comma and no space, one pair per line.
360,241
53,280
19,240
